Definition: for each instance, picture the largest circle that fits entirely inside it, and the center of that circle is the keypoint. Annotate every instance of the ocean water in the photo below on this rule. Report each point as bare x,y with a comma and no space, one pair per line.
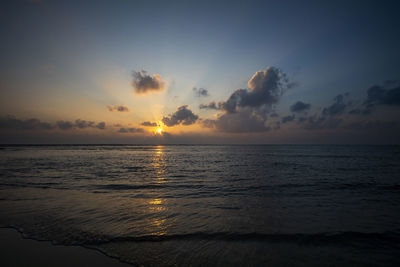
271,205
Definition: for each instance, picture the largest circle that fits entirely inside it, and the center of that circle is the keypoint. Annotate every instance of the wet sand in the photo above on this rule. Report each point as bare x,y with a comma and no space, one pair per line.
16,251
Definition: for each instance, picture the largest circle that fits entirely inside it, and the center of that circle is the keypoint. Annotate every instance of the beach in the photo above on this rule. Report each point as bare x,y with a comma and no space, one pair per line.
17,251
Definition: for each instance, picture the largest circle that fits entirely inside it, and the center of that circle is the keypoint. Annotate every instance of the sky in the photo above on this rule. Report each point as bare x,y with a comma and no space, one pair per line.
199,72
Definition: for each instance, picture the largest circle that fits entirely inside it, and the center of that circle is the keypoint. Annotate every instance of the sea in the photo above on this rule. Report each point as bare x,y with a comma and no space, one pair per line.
209,205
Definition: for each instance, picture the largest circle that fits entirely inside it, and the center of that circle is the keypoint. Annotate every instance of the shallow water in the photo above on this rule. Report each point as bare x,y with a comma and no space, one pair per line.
210,205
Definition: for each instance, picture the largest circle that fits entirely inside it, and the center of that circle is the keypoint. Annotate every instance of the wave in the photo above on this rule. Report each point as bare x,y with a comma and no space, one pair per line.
327,238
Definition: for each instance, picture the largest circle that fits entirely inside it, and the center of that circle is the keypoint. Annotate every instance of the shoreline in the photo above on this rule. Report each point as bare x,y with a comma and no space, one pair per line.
18,250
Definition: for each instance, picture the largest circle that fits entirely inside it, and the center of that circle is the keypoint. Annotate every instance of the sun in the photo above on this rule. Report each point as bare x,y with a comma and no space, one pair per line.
159,130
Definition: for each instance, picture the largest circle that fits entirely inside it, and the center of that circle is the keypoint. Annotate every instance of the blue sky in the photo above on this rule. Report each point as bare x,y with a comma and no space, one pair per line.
68,60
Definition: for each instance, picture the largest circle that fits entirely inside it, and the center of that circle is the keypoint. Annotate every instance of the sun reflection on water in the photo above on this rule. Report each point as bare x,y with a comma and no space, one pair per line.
159,165
156,206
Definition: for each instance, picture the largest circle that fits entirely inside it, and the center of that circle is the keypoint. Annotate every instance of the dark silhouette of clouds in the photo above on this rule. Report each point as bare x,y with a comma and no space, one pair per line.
101,125
265,89
211,105
65,125
183,116
246,110
288,118
199,92
299,106
149,124
241,122
81,124
130,130
320,122
11,123
337,107
119,108
379,95
143,83
274,115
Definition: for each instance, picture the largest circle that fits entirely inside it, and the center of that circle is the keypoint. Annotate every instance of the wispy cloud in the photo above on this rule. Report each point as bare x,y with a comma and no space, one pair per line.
149,124
200,92
119,108
130,130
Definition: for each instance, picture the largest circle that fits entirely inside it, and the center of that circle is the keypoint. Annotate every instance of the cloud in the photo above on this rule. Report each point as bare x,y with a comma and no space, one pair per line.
320,122
101,125
130,130
211,105
288,118
183,116
144,83
65,125
119,108
274,115
11,123
80,124
337,107
240,122
381,95
199,92
299,106
149,124
265,89
246,110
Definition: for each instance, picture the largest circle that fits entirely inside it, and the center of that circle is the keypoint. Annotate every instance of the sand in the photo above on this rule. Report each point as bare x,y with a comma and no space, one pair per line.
16,251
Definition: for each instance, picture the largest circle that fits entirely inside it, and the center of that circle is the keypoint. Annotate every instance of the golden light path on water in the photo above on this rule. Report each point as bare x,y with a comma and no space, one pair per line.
157,205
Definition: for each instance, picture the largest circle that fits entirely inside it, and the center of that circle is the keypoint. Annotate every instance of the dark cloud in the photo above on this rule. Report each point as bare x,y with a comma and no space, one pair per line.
199,92
265,89
211,105
299,106
130,130
337,107
149,124
246,110
288,118
81,124
377,95
101,125
239,122
65,125
183,116
12,123
319,122
143,82
119,108
208,123
274,115
329,117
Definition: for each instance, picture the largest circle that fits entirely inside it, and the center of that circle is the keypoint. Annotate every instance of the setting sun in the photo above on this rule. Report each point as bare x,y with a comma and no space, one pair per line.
159,130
